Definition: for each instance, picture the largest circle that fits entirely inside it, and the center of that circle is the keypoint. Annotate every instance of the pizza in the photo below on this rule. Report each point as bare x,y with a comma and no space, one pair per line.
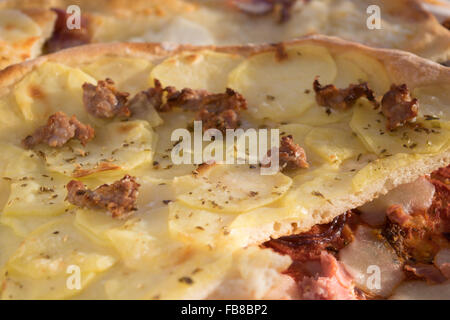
404,24
94,206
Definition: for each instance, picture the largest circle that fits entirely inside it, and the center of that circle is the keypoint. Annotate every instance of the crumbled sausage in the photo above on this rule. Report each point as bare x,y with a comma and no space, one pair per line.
218,110
104,101
221,110
58,131
398,106
63,37
118,198
342,99
164,99
291,155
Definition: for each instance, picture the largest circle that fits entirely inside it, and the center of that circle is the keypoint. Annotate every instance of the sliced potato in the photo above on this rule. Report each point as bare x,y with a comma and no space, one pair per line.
358,65
370,126
37,195
49,88
318,116
196,70
348,72
334,145
231,188
144,242
129,74
196,226
50,249
194,278
95,224
375,171
117,146
280,88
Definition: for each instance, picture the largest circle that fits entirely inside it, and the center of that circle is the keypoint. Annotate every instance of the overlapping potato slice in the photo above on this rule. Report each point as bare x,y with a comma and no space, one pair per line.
154,194
320,116
22,226
357,66
51,87
163,166
40,267
9,242
144,242
317,187
17,163
334,145
279,87
129,74
196,226
37,195
370,126
194,278
348,72
117,145
196,70
433,104
230,188
95,223
376,170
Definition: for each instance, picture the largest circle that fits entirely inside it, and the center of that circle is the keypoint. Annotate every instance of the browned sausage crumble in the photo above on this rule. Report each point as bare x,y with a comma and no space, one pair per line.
221,110
59,130
118,198
342,99
104,101
291,155
215,110
63,37
398,106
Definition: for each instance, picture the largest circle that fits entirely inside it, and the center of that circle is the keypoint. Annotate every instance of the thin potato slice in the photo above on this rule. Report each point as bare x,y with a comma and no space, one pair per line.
334,145
196,70
231,188
370,126
49,88
117,146
37,195
129,74
279,88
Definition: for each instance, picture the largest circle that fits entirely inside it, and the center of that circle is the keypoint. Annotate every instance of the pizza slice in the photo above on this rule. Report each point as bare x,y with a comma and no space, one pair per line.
404,24
356,208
